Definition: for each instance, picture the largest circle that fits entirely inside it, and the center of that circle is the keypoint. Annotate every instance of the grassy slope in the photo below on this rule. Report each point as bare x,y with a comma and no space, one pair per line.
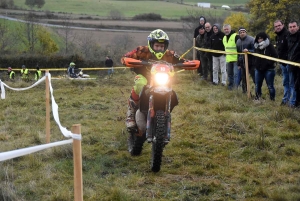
223,147
102,8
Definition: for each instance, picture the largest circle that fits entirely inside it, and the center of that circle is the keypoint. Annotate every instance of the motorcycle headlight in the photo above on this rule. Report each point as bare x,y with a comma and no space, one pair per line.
161,78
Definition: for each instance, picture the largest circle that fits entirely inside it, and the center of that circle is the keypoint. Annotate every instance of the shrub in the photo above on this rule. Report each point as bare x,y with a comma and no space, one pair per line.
148,17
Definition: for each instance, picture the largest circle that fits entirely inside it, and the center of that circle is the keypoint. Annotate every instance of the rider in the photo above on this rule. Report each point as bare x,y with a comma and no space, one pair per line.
157,49
71,70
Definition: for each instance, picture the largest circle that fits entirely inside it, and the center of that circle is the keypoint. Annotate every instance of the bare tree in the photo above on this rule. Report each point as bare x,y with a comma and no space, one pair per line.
6,41
67,33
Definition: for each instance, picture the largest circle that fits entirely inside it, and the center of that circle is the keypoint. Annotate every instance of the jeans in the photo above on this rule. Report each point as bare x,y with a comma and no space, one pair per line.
219,63
204,66
269,76
289,93
232,73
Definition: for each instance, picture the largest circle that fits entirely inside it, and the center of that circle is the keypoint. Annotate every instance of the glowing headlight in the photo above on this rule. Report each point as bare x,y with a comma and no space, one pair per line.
161,78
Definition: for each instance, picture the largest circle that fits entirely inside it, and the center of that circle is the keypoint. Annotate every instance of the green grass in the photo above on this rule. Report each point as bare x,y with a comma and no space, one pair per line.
223,146
169,10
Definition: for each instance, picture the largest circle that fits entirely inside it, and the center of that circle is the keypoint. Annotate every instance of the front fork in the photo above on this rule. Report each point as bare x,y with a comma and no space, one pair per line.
151,114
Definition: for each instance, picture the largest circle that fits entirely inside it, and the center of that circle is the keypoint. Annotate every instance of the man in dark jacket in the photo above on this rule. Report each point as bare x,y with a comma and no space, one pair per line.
294,55
219,60
208,55
289,94
202,22
200,42
245,44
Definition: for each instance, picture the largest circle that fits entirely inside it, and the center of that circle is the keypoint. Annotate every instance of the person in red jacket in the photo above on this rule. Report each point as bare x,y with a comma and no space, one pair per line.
157,49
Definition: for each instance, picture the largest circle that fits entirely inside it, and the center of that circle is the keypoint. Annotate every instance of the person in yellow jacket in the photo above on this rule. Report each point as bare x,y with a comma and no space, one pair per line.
24,73
38,74
229,41
10,73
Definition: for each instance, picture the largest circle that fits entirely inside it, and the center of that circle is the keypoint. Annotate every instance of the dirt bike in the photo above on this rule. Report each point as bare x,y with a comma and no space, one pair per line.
157,100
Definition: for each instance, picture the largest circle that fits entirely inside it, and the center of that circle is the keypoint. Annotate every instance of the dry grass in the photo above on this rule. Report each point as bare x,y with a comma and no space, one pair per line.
223,146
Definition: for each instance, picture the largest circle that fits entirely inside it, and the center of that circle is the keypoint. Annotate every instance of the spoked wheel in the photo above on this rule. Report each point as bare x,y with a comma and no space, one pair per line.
135,143
158,140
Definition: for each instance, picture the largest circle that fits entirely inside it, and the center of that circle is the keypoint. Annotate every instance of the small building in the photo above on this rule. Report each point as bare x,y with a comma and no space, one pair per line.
203,5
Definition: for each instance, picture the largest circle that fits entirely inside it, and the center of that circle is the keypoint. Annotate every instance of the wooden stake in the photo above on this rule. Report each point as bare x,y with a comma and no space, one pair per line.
47,108
77,159
247,76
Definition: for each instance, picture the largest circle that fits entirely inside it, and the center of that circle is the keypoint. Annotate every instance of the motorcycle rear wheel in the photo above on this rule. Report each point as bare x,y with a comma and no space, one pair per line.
158,144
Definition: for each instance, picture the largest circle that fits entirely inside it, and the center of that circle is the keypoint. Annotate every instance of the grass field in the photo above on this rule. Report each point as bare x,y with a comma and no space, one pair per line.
223,146
167,9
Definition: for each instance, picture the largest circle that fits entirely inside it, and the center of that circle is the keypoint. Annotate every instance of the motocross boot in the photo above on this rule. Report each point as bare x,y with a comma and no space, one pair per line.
130,118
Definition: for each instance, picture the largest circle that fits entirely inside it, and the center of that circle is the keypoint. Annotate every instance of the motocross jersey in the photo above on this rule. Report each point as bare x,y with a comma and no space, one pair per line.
143,53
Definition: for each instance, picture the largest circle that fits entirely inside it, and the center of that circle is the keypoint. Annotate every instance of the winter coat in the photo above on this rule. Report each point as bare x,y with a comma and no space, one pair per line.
200,42
216,41
245,43
266,48
282,43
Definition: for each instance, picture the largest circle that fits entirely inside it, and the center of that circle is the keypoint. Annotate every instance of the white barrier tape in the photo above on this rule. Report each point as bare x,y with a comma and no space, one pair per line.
25,151
64,131
2,90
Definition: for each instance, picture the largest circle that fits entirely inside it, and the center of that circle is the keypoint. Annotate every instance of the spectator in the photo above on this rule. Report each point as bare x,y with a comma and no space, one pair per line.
207,45
245,44
229,42
264,68
24,73
202,21
10,73
200,42
219,61
38,73
289,94
294,55
109,63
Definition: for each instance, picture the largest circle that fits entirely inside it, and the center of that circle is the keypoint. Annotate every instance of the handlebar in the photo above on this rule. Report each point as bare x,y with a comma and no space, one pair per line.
187,65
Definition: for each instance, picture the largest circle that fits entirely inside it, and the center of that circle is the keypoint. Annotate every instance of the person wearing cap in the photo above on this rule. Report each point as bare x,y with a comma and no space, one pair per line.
229,41
10,73
219,60
24,73
264,67
245,44
200,42
289,94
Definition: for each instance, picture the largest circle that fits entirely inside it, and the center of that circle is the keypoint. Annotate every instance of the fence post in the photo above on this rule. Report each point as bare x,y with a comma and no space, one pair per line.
47,107
77,159
247,76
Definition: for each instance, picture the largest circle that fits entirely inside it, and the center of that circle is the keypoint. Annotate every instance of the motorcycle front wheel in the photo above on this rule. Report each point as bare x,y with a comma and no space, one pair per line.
160,129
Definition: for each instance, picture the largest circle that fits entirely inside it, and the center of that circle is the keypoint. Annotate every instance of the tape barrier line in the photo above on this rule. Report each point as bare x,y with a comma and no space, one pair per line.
63,130
254,54
25,151
19,89
63,69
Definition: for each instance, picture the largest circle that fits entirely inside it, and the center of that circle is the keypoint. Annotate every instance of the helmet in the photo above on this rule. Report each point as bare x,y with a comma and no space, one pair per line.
160,36
9,68
72,64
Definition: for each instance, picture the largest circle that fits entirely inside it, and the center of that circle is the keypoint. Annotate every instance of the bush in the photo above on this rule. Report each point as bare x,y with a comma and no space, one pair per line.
148,17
